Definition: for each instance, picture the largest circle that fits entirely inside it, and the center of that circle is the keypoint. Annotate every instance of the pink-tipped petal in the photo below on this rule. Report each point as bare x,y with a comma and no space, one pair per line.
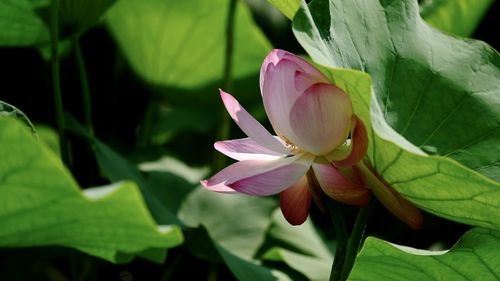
245,149
259,177
279,94
275,179
295,202
339,187
359,143
321,118
277,55
220,187
250,126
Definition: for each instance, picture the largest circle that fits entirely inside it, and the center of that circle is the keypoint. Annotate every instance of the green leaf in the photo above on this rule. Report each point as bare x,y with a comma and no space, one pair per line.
300,247
180,44
42,205
313,268
49,137
432,94
287,7
170,120
202,245
294,237
459,17
79,15
20,25
237,222
24,23
117,168
474,257
12,111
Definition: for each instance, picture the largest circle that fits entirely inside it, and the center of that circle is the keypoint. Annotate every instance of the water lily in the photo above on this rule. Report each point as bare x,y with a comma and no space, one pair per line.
318,145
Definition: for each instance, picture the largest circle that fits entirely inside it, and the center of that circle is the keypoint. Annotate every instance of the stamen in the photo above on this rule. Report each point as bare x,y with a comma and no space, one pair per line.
290,145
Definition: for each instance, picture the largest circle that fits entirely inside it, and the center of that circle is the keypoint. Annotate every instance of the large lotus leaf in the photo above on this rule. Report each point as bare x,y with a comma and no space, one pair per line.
474,257
459,17
181,44
432,94
41,205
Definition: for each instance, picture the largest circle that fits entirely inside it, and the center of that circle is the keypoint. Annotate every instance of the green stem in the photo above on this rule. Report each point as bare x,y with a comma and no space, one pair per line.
146,128
335,210
357,238
224,129
84,81
56,81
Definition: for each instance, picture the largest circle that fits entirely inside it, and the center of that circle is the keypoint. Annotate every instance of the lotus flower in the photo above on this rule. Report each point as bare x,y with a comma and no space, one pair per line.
317,145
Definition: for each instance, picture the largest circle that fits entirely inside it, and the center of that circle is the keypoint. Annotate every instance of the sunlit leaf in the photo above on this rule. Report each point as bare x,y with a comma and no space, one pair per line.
474,257
181,43
287,7
49,137
41,205
459,17
12,111
432,94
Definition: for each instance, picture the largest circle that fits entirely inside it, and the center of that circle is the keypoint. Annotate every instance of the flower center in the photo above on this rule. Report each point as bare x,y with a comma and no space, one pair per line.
290,145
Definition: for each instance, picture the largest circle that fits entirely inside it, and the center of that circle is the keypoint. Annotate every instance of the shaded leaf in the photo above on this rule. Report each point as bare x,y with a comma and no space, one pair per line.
116,167
42,205
237,222
303,238
79,15
314,268
244,270
459,17
20,25
474,257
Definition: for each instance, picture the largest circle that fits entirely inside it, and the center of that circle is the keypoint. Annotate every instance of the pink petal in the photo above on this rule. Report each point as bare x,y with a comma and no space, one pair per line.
295,202
246,149
219,187
274,180
321,118
279,94
359,142
250,126
339,187
259,177
277,55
